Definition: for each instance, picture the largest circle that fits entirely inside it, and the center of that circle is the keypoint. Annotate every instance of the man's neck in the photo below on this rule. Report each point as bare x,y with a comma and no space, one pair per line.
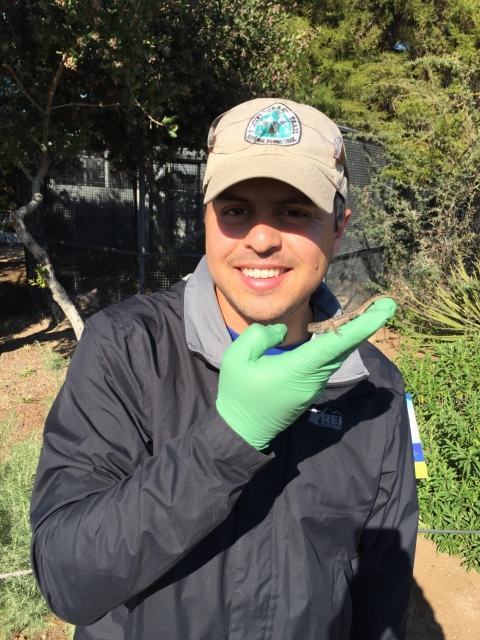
297,326
296,323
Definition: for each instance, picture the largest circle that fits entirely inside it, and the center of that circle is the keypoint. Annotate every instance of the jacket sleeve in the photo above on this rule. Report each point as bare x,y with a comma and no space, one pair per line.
383,566
108,517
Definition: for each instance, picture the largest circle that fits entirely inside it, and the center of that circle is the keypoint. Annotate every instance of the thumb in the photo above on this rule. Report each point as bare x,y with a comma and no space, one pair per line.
255,340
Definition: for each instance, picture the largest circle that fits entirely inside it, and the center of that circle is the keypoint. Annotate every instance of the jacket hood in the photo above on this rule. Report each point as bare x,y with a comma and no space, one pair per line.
207,334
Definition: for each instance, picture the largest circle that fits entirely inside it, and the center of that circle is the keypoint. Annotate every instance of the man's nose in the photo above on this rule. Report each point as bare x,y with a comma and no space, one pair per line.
263,237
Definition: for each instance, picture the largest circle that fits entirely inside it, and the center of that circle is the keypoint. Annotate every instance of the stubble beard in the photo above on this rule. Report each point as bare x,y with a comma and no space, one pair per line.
261,311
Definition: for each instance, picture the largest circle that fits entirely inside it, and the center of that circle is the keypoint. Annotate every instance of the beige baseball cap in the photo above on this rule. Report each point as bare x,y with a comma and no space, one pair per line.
281,139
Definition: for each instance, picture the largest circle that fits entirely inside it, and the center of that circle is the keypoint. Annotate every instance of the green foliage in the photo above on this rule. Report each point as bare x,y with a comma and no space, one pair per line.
215,56
139,79
27,371
52,360
27,398
6,426
406,76
452,312
54,363
424,206
74,74
39,281
361,54
445,386
22,607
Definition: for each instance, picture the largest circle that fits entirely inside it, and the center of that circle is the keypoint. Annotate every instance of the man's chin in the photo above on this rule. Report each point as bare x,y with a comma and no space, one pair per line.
266,310
266,316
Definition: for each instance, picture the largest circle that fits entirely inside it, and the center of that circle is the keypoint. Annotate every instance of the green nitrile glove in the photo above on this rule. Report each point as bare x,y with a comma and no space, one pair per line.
260,396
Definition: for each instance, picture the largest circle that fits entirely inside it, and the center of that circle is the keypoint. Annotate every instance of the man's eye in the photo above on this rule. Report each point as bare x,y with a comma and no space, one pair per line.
235,211
295,213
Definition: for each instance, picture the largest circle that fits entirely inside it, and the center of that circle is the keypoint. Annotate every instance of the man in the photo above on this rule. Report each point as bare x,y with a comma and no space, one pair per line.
209,471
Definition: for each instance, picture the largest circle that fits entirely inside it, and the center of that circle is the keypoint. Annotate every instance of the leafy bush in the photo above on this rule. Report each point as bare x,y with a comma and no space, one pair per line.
22,607
423,206
445,386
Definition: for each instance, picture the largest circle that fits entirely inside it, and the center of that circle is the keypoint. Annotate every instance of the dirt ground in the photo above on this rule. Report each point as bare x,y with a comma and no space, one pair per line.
445,602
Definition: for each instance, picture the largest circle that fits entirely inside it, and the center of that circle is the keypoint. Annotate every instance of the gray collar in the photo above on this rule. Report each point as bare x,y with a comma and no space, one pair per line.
208,336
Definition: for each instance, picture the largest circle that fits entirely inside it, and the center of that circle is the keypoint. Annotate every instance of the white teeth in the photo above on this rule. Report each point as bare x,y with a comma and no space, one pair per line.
261,273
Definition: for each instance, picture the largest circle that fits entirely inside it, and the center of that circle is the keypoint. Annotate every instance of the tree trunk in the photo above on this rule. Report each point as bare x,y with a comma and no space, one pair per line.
162,223
58,292
150,175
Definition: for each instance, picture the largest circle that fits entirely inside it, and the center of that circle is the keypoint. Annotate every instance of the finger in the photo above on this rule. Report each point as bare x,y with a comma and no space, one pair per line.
387,305
358,330
331,346
255,340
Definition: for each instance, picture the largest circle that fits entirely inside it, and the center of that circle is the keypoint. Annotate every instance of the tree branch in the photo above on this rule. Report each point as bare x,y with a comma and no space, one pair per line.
82,104
21,212
48,106
26,171
150,174
15,574
137,104
58,292
22,88
53,86
360,35
19,44
41,173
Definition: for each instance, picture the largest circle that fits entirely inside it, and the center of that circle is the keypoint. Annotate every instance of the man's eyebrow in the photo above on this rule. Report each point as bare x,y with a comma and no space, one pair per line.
301,199
230,197
295,200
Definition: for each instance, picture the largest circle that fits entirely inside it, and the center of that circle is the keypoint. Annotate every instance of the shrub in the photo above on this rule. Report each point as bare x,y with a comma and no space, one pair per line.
453,311
423,207
445,386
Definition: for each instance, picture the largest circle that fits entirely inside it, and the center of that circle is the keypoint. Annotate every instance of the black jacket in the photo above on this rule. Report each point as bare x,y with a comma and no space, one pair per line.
152,519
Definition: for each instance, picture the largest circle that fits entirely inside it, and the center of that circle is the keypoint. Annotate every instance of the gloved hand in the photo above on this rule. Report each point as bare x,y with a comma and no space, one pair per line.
260,396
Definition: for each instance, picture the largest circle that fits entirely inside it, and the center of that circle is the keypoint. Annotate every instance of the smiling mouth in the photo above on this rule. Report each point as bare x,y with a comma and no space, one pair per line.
263,273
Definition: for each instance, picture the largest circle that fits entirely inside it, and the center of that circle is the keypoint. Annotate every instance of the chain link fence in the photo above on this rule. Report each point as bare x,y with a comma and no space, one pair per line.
359,260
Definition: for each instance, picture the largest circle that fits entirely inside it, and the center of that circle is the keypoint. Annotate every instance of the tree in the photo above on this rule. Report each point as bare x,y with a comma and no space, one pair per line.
360,50
406,75
218,54
122,76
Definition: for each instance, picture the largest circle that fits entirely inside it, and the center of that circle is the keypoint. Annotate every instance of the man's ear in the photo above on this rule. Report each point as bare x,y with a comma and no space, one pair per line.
339,235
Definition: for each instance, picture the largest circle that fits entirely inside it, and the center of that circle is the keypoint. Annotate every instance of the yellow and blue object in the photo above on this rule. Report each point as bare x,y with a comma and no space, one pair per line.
418,457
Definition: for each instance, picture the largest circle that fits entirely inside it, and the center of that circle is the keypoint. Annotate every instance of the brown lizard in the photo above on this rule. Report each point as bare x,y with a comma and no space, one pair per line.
332,324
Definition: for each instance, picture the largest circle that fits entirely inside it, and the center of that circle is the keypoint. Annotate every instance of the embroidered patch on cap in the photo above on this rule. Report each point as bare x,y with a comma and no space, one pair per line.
274,125
338,146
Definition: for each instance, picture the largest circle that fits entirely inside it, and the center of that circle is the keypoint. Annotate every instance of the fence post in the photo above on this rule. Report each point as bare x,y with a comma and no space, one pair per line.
141,231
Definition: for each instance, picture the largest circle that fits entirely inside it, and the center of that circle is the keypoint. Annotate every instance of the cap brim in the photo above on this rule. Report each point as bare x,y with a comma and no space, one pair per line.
296,172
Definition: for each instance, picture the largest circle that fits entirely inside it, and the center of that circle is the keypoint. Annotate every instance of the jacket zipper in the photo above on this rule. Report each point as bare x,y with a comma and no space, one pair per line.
199,356
347,383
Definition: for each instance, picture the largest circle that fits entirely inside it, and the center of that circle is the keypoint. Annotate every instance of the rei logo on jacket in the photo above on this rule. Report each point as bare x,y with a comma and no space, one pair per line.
326,418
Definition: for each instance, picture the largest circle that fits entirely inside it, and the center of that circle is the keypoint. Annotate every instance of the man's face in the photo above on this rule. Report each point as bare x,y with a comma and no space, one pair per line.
268,248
